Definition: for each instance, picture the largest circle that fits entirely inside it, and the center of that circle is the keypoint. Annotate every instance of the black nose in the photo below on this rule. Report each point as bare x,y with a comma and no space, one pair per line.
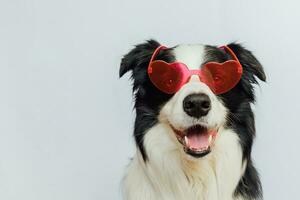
196,105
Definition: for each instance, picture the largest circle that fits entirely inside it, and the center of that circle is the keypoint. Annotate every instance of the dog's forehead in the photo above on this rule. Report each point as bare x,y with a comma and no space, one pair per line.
190,54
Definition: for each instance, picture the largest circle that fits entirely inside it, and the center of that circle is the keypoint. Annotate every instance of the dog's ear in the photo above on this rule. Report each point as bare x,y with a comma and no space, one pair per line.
138,57
248,61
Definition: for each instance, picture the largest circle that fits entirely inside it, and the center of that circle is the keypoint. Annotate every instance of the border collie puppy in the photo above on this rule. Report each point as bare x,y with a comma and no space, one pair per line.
192,144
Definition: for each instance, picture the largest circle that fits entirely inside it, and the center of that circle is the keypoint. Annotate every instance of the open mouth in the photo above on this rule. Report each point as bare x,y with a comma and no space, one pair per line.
196,140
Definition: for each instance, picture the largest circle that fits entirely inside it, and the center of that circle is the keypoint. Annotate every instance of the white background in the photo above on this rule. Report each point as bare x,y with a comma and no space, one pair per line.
66,119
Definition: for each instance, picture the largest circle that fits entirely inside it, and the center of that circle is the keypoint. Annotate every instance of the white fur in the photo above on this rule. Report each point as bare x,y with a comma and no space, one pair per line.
190,54
170,173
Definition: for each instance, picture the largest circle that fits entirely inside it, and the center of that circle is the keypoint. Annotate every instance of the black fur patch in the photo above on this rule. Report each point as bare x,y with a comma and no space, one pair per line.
148,99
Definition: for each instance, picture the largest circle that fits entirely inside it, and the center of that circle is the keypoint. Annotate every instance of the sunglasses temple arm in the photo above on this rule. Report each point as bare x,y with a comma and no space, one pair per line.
157,50
226,48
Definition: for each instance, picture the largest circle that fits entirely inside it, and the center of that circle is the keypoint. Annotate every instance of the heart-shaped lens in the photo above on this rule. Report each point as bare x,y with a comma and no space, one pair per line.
167,77
221,77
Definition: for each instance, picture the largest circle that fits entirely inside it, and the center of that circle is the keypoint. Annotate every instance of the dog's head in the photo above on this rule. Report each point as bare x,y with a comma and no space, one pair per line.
194,113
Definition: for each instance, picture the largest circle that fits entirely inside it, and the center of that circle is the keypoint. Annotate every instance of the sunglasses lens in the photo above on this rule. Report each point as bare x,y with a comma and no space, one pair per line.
221,77
166,77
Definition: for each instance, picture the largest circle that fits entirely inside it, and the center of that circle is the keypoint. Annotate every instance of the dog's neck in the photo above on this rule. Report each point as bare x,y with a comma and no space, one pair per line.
169,173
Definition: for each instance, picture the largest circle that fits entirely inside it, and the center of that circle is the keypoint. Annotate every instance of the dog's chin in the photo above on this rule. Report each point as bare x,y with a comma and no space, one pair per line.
197,140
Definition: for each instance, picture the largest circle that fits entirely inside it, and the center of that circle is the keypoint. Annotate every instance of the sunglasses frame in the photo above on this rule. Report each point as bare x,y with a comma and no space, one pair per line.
204,74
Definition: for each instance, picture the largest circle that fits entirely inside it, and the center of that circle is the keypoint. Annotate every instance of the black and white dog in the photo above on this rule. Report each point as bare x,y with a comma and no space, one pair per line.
164,167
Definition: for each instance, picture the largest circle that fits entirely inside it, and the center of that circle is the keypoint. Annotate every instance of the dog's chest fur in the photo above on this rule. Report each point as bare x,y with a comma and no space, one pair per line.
169,175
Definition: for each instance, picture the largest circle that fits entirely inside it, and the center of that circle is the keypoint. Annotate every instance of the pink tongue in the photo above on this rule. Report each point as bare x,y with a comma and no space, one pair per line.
198,141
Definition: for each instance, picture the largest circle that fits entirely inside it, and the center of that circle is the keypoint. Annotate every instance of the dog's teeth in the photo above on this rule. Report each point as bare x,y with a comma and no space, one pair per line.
210,139
186,140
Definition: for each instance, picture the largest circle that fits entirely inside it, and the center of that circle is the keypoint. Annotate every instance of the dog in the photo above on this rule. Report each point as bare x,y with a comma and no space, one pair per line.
192,143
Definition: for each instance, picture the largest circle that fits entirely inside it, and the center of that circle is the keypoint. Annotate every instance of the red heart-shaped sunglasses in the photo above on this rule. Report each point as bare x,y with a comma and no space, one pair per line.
219,77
